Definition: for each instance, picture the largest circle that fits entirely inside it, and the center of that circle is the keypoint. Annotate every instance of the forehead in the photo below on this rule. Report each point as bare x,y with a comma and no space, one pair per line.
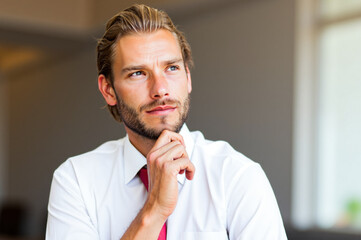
144,48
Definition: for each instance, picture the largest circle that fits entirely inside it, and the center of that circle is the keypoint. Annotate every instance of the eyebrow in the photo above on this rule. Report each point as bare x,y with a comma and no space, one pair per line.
140,67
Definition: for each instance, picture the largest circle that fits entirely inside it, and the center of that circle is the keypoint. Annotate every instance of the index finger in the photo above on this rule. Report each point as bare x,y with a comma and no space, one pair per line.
166,137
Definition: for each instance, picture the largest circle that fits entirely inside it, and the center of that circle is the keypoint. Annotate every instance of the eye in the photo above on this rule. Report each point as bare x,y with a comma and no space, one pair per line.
173,68
135,74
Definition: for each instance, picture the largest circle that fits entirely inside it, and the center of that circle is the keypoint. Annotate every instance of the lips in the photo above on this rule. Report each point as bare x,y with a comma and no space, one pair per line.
161,109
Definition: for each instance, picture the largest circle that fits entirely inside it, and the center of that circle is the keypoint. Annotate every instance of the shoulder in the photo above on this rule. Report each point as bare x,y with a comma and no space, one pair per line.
219,153
101,158
222,165
106,150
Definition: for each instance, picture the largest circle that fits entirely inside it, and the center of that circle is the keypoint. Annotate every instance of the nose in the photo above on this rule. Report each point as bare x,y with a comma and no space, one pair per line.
160,87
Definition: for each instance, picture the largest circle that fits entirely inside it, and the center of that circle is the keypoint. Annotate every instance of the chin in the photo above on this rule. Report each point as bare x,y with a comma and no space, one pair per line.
164,127
169,127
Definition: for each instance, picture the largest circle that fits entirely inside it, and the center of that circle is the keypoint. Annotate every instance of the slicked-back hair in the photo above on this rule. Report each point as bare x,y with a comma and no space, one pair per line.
138,18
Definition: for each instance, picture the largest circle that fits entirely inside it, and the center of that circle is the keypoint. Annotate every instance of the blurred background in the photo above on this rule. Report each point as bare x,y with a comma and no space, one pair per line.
278,79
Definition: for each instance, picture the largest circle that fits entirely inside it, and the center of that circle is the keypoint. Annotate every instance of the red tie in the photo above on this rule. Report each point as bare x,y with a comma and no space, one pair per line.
143,174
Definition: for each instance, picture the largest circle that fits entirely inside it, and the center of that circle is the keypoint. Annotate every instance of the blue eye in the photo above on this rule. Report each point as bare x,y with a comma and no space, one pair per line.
173,68
137,73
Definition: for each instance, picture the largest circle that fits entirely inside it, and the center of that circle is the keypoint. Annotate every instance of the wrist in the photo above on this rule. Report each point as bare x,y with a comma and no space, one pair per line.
147,225
152,215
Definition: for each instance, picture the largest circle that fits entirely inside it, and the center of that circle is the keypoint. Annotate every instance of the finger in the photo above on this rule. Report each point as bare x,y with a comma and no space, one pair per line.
165,148
186,165
160,152
167,136
175,152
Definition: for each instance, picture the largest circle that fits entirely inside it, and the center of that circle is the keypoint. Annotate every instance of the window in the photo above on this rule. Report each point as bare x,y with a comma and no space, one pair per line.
327,190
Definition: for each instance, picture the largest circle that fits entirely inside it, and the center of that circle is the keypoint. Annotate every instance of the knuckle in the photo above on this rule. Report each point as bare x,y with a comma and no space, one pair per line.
166,165
180,146
151,156
165,132
158,161
181,149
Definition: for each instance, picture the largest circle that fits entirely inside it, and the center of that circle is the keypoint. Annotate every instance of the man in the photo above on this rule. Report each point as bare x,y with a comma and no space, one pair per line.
198,189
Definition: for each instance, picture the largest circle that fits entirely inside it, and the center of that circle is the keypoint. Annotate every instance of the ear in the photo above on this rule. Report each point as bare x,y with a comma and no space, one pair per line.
107,90
189,80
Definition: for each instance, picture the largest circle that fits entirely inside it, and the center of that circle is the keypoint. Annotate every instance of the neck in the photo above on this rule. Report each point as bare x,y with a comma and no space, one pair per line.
141,143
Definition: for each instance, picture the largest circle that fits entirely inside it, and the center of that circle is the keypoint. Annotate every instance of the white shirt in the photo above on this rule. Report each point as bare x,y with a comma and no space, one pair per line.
97,195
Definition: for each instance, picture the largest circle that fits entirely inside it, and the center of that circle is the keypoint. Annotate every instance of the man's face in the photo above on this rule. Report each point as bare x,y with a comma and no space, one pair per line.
151,83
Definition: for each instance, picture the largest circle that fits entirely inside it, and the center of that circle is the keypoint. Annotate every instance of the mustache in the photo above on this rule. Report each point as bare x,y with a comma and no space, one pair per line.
156,103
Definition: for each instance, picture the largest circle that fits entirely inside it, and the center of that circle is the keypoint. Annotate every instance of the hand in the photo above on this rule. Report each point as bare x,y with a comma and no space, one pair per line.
165,161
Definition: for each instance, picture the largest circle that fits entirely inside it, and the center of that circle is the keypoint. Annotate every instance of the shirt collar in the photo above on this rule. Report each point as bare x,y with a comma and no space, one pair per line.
134,160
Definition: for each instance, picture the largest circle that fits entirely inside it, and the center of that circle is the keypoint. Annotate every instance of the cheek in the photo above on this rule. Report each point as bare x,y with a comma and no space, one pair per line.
130,96
179,88
182,90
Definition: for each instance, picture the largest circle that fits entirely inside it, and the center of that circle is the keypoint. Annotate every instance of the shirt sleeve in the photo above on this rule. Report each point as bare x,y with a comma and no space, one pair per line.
67,214
252,208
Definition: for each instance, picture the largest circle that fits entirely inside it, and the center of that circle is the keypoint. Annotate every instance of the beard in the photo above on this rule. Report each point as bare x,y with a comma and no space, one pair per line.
131,118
